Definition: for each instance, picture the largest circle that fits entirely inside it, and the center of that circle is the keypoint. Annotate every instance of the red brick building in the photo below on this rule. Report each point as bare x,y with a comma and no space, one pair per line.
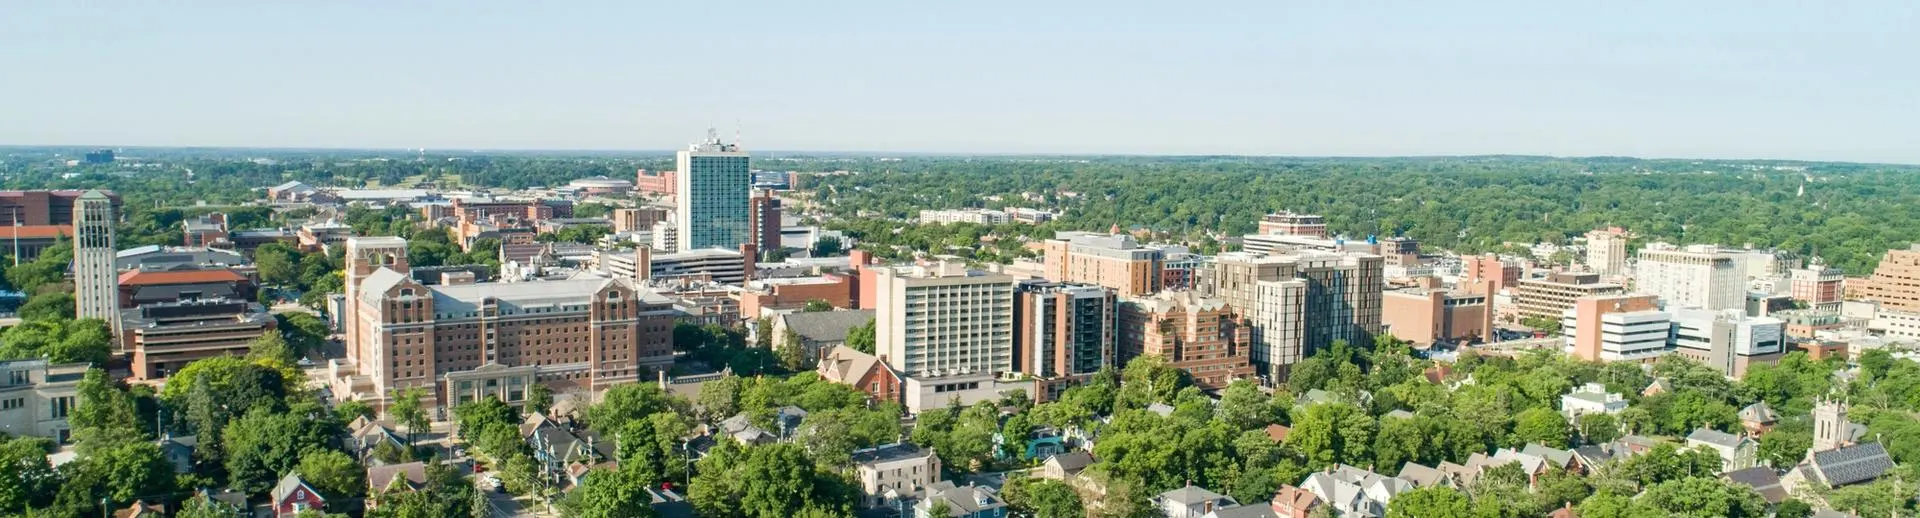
1193,333
862,371
660,183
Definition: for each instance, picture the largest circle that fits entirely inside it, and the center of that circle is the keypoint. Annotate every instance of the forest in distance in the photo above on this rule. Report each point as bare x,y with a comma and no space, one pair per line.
1847,213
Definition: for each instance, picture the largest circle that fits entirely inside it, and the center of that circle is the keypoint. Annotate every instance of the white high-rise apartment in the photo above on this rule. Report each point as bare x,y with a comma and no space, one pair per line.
1696,276
712,206
96,291
1607,251
944,320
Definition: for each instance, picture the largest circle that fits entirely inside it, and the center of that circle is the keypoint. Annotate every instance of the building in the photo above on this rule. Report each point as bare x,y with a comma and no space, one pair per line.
1616,328
1196,334
156,257
638,219
163,337
45,208
1352,491
892,472
1427,316
1737,452
1062,333
292,496
96,294
711,196
1895,283
657,183
816,332
601,185
1178,267
1548,298
1591,398
1607,250
1695,275
943,319
1191,502
708,265
766,221
1728,341
322,235
1818,285
99,156
1291,224
968,501
37,396
1476,271
208,231
974,216
1115,261
1300,302
292,192
761,298
138,287
1835,460
862,371
464,340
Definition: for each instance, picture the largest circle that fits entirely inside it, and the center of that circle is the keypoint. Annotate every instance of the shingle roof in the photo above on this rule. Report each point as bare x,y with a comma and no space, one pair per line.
1715,437
1763,480
142,277
288,484
1072,462
383,477
1758,413
826,326
889,452
1852,464
1190,495
1260,510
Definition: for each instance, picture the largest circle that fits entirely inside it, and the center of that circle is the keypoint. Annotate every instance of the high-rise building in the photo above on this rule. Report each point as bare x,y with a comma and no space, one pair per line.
942,319
766,221
1489,268
466,341
1553,295
1299,303
96,291
1694,276
1895,283
946,329
1607,250
1818,285
1063,333
711,198
1728,341
1115,261
1196,334
1614,328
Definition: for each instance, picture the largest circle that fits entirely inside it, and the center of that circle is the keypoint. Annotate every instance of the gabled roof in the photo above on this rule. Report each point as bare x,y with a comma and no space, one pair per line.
965,500
1852,464
1260,510
1763,480
1191,495
826,326
1758,413
1422,476
1071,462
845,365
288,484
1557,457
1716,438
375,286
411,475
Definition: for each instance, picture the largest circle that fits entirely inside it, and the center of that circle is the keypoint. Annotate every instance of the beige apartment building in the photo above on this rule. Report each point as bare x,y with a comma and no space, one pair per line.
1115,261
1895,283
1552,296
1196,334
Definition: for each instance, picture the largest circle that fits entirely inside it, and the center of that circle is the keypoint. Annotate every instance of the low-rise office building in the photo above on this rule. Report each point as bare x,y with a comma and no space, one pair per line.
1728,341
36,397
163,337
1550,297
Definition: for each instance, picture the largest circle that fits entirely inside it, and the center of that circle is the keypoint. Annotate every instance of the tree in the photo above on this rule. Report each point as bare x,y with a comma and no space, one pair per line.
939,508
539,398
616,493
763,333
1786,445
1541,425
271,347
263,445
1432,502
352,408
861,338
333,473
1401,440
119,472
817,305
765,481
624,403
1332,433
1707,497
793,356
1042,498
1245,407
199,506
827,246
58,340
1881,498
305,333
1792,508
58,305
28,479
105,415
1599,428
407,411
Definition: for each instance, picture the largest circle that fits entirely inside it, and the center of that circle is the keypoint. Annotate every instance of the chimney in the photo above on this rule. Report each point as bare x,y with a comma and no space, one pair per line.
749,254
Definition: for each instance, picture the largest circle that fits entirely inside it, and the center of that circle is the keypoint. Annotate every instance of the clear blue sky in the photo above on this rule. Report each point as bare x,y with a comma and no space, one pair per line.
1703,78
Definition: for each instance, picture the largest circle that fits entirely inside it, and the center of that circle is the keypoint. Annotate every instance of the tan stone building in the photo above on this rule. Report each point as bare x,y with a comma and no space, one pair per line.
1549,297
1896,282
1194,333
466,341
1115,261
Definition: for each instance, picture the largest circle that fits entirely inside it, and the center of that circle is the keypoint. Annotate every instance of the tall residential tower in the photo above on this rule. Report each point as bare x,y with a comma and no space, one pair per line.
711,198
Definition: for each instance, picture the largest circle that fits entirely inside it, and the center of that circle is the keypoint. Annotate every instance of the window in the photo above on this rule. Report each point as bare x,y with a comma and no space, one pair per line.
13,403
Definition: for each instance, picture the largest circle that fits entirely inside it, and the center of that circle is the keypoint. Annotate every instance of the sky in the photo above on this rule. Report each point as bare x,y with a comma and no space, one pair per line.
1694,79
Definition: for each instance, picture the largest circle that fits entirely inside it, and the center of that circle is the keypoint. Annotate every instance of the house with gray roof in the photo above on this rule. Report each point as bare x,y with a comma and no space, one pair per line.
1757,418
1762,479
1591,398
1737,452
968,501
890,472
1355,492
1191,502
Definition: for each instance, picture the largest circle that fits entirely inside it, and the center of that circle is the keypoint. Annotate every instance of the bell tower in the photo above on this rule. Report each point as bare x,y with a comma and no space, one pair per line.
1829,425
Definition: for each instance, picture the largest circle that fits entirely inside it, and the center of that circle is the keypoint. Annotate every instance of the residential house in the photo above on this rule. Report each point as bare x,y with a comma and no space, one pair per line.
1191,502
1737,452
403,478
1260,510
178,451
1353,491
1556,458
1758,418
559,446
817,331
864,372
1423,477
368,435
1293,502
293,495
1591,398
968,501
141,509
890,472
1066,465
1762,479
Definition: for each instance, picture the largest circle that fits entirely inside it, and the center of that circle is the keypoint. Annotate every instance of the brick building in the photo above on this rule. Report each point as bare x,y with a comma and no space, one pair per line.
467,340
658,183
1115,261
1196,334
163,337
